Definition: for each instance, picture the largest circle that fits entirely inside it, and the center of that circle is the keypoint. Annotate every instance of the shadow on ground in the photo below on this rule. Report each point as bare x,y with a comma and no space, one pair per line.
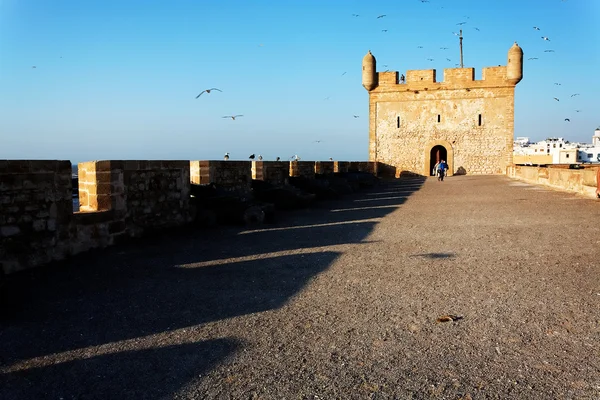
165,283
140,374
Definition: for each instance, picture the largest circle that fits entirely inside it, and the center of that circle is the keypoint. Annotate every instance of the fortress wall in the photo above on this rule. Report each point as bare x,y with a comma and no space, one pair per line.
35,212
233,175
341,166
119,200
274,172
324,167
304,169
581,181
459,76
420,76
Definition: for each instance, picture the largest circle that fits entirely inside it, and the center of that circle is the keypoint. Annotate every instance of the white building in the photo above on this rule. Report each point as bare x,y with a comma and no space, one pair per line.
561,151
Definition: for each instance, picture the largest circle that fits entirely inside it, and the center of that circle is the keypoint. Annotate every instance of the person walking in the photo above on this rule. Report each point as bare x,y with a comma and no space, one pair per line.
435,168
442,167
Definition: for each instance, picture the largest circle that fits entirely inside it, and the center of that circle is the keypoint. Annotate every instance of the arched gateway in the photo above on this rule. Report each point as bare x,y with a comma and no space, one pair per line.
436,151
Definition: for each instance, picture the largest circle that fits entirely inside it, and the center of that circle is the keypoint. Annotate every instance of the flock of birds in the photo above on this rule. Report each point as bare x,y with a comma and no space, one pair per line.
547,39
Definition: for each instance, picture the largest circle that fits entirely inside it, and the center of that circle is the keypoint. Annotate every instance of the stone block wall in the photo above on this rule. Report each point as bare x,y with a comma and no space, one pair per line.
120,199
341,166
234,175
35,212
324,167
274,172
583,181
304,169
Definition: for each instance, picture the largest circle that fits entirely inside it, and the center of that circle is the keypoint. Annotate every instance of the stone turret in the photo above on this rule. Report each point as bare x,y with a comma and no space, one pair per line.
369,74
514,68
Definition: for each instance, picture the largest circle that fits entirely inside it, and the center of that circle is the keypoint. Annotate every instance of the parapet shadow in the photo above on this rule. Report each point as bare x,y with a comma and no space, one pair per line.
150,374
168,282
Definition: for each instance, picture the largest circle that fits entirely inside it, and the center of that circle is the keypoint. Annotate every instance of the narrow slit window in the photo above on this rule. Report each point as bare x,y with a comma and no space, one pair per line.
439,117
479,120
398,122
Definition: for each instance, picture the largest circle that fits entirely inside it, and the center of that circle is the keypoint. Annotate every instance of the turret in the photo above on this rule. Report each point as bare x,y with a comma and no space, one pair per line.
514,68
369,76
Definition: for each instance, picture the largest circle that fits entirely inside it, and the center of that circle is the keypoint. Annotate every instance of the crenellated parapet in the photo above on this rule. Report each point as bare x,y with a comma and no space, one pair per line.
453,78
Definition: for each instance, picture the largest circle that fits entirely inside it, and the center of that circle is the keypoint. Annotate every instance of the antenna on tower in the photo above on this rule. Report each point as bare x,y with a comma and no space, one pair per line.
461,51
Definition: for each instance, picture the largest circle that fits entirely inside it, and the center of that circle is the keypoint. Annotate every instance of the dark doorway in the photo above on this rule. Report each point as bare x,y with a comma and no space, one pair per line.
437,154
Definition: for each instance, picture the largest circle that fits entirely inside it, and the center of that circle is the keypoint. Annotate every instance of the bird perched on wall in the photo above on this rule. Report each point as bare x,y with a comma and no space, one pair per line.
208,91
226,157
251,156
330,158
259,157
567,119
233,117
556,98
278,158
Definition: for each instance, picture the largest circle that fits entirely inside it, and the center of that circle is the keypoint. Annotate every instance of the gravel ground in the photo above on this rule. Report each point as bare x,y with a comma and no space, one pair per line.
339,301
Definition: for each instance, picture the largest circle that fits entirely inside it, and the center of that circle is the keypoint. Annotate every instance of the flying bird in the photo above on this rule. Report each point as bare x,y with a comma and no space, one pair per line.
555,98
355,15
430,59
536,28
557,84
443,48
577,110
251,156
567,119
548,51
226,157
532,58
456,34
327,98
545,38
317,141
208,91
384,30
344,74
381,16
575,94
447,59
356,116
34,66
419,47
461,23
233,117
477,29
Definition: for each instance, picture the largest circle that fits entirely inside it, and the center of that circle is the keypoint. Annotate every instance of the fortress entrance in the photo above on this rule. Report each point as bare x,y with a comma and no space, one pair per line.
436,154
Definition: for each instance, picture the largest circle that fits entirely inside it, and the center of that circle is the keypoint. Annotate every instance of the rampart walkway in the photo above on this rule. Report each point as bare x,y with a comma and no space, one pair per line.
335,302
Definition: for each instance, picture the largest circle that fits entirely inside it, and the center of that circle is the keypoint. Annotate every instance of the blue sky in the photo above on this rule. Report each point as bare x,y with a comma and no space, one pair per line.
117,79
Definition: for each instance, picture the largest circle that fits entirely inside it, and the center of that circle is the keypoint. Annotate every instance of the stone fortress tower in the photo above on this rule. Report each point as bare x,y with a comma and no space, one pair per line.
467,122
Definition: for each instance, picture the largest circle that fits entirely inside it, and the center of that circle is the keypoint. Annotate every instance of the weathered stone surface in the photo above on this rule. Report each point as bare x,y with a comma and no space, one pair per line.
583,181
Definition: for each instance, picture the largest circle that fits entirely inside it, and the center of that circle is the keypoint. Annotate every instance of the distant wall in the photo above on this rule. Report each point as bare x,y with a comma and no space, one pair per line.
582,181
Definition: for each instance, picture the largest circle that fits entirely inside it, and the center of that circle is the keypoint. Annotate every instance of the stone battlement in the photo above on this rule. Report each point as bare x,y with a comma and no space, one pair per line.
119,199
453,78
